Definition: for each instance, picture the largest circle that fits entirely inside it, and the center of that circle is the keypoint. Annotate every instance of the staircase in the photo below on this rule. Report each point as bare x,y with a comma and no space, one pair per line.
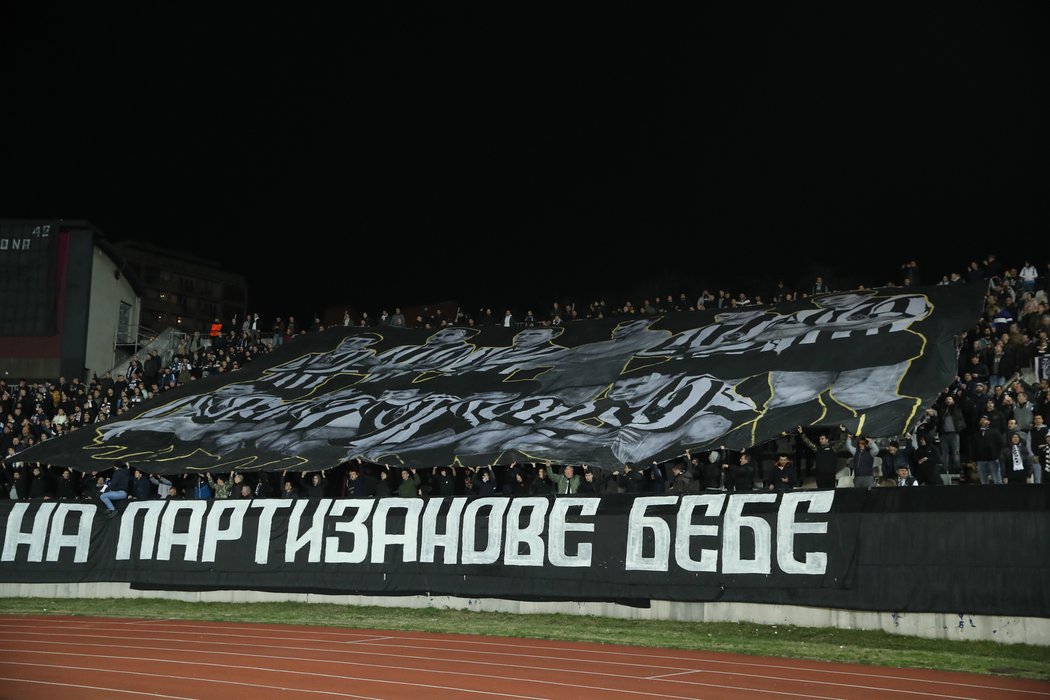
142,342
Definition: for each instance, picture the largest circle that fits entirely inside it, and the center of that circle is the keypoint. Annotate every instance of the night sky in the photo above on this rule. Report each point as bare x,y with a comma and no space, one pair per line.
533,153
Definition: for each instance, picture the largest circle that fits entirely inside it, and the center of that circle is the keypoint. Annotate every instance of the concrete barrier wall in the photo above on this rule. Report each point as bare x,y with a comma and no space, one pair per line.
1007,630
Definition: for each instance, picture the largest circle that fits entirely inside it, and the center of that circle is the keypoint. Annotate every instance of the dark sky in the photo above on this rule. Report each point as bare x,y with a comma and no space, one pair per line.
511,154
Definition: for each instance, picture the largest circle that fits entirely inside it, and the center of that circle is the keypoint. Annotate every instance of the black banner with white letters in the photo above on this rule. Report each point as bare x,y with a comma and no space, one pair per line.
601,393
919,549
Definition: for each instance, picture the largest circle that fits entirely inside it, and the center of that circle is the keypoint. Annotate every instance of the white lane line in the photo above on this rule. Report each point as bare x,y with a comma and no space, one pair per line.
860,687
573,669
643,652
407,669
227,640
185,679
366,641
95,687
682,673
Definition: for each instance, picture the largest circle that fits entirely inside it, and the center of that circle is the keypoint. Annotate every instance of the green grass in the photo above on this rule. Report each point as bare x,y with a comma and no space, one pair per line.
851,646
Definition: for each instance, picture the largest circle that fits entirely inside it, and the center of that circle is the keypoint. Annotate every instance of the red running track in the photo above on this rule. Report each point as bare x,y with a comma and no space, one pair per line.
53,657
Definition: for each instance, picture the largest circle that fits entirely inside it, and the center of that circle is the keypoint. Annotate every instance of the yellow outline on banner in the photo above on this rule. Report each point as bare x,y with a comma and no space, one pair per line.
916,399
765,406
109,452
102,451
848,408
544,368
435,373
627,368
823,406
322,384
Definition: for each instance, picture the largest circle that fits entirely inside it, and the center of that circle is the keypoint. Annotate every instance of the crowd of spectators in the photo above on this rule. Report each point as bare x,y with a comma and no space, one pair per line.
989,426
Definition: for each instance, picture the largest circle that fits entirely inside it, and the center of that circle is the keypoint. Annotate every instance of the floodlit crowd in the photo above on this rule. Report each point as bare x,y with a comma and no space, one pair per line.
989,426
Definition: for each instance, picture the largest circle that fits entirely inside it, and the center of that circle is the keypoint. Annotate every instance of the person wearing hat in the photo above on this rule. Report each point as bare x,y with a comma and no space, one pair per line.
904,478
893,457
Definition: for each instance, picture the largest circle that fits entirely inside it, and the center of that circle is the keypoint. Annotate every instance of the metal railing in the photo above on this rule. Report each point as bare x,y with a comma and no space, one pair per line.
143,340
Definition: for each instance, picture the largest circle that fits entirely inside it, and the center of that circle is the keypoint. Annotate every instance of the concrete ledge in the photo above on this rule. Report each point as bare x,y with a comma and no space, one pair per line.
1007,630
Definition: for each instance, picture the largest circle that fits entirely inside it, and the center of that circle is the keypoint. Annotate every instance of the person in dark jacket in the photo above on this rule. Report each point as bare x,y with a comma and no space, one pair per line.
657,479
783,476
741,475
707,470
893,458
996,419
263,487
357,484
91,486
826,457
951,422
117,491
1016,461
541,485
904,478
383,488
151,368
1037,435
67,487
986,445
632,480
1043,453
141,487
927,462
38,483
315,485
443,482
590,486
19,488
1035,438
484,484
236,481
681,484
519,483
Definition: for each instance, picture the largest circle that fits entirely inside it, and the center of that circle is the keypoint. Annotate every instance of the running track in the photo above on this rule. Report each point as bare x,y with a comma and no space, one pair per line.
51,657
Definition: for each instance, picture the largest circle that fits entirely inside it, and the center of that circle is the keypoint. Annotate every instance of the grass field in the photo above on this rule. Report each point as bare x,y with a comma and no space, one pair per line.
856,646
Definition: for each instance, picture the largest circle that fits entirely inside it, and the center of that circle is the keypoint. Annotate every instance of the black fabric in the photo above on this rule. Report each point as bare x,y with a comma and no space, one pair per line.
600,393
960,550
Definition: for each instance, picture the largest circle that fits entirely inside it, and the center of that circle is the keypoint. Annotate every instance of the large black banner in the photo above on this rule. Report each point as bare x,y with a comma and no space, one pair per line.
920,549
596,392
